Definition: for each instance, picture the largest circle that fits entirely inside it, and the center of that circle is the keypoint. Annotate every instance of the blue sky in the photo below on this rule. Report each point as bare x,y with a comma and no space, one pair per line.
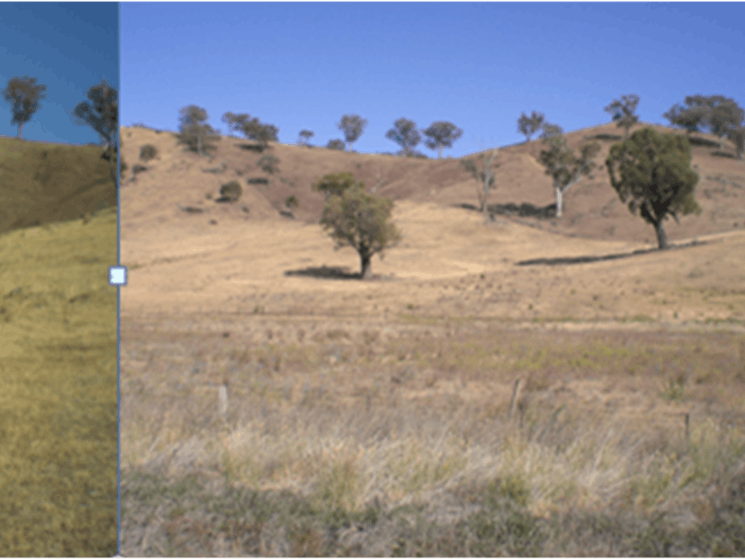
478,65
67,46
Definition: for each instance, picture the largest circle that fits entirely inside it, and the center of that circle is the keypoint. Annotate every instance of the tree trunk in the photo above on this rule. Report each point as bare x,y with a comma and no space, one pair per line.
559,200
661,235
20,130
366,269
440,156
199,143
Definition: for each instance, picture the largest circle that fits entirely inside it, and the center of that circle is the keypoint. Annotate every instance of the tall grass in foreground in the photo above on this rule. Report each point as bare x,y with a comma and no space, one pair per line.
398,442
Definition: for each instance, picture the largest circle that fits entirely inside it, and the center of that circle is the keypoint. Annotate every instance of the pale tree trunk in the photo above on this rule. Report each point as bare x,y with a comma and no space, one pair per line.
559,199
20,130
661,235
366,268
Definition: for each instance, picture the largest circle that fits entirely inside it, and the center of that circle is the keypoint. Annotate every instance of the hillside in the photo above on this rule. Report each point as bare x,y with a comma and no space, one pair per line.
592,208
42,183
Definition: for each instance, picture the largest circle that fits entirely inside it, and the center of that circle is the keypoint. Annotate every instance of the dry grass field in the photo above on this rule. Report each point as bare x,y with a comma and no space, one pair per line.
58,334
492,391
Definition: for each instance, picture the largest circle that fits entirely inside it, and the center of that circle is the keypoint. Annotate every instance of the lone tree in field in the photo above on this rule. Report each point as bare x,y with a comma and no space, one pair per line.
334,184
355,218
529,125
353,126
441,135
102,114
405,134
485,177
24,94
564,167
195,132
304,137
654,171
623,112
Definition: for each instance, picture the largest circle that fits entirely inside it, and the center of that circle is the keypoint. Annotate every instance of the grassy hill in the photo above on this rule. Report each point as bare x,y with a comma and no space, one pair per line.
58,334
592,209
43,183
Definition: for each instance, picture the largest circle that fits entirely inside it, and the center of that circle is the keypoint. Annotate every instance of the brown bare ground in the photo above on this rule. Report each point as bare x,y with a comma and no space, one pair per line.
396,391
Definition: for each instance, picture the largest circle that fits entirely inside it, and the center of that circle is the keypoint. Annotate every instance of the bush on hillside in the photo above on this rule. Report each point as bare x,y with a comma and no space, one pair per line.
258,180
230,192
148,152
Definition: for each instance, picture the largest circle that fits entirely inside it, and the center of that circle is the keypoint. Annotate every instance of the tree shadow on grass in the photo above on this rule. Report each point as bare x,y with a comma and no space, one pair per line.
334,273
588,259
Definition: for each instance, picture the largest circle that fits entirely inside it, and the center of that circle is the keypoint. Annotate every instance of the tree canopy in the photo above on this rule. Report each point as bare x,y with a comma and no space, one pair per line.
405,134
564,167
441,135
358,219
24,94
336,144
304,137
352,126
716,114
623,111
102,114
334,184
195,132
484,177
653,170
529,125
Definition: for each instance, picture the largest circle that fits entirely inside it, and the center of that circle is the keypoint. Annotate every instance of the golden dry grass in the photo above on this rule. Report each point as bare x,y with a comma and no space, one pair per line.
58,429
372,418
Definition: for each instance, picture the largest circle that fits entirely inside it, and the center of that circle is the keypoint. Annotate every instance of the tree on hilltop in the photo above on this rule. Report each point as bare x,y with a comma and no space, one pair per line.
304,137
24,94
484,176
336,144
253,129
405,134
194,130
234,121
564,167
717,114
736,135
549,131
529,125
623,112
654,171
352,126
358,219
101,113
441,135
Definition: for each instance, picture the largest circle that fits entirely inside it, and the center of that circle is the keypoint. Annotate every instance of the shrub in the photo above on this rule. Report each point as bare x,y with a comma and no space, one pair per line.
335,144
291,202
231,191
258,180
138,168
148,152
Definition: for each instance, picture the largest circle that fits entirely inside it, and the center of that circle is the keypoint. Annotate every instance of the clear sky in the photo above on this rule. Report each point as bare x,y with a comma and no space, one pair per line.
67,46
478,65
